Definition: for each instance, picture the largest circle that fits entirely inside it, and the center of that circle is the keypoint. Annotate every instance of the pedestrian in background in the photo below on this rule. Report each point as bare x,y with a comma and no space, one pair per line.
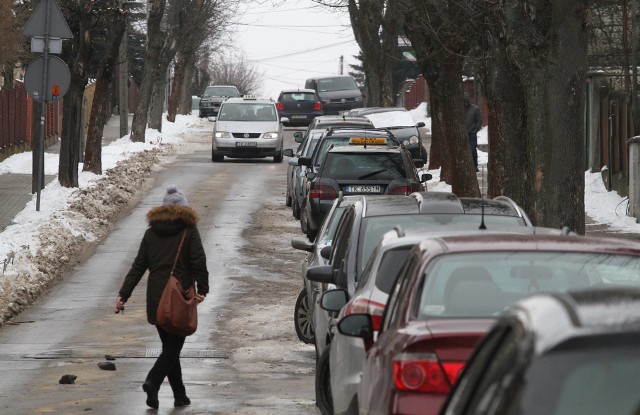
157,253
473,119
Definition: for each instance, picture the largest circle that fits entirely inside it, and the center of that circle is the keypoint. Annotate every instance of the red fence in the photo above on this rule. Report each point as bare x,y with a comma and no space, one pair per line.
13,116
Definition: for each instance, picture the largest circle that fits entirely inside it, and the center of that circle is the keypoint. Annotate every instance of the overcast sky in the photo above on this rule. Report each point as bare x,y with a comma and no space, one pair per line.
290,41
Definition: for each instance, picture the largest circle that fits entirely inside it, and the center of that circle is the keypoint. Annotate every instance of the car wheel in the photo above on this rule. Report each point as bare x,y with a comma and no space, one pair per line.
301,320
288,199
296,209
311,234
216,157
278,158
323,386
303,220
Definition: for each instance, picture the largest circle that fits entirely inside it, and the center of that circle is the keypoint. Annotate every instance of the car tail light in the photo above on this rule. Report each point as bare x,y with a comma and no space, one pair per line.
322,192
363,306
317,106
279,106
405,190
423,372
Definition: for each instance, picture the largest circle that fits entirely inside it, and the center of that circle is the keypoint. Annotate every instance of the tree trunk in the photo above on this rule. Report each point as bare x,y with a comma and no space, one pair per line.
176,82
464,181
184,105
157,103
102,94
553,72
150,72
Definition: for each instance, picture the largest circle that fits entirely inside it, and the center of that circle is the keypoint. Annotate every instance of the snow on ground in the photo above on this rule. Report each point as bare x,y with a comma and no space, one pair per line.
39,246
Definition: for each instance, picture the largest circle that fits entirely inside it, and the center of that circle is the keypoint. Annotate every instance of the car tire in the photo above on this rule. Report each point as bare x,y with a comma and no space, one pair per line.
324,400
288,200
216,157
303,220
278,157
301,320
296,209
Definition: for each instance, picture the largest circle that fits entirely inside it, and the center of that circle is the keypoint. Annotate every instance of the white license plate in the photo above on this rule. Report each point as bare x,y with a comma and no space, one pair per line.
246,144
362,189
298,116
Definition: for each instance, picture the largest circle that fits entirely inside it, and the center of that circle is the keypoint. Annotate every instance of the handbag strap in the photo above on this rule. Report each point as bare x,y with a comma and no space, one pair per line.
184,234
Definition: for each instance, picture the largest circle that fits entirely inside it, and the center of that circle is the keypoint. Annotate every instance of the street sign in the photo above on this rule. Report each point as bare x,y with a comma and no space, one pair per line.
37,45
58,79
37,23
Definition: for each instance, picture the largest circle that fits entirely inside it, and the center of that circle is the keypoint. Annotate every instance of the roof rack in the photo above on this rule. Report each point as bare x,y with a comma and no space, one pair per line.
400,231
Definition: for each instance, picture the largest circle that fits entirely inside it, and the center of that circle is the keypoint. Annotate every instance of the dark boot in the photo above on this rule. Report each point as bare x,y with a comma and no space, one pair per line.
152,394
183,401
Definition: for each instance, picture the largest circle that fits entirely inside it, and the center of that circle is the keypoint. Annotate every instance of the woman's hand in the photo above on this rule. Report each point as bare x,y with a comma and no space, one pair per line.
119,305
199,298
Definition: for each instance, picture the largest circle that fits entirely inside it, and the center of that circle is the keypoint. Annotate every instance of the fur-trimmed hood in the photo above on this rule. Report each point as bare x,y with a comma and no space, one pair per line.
171,219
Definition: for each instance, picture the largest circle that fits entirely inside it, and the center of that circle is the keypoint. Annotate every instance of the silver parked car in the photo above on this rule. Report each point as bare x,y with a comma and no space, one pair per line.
247,127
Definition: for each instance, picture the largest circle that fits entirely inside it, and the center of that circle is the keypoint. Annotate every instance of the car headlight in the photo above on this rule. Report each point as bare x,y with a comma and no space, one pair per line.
413,140
405,142
270,135
222,134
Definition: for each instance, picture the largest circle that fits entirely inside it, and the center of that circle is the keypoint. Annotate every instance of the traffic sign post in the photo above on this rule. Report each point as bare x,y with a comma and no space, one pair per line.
47,78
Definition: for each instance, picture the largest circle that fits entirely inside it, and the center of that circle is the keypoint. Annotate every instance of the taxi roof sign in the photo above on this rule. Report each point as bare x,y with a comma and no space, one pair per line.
368,141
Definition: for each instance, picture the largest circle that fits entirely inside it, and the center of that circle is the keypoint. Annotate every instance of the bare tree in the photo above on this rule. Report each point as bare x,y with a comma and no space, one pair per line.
12,48
236,71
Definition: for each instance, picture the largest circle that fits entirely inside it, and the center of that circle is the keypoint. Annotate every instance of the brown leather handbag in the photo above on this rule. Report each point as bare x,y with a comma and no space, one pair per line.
178,309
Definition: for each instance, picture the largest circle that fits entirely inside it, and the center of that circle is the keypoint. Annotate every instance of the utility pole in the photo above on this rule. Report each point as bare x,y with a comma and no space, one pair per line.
341,64
123,83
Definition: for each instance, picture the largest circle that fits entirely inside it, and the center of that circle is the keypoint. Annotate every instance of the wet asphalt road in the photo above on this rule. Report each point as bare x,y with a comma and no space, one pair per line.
72,327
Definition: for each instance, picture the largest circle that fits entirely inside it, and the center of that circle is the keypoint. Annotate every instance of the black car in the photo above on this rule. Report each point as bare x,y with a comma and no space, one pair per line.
300,106
570,353
213,96
355,169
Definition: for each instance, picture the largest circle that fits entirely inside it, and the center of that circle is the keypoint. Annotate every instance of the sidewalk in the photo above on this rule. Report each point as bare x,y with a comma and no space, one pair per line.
15,189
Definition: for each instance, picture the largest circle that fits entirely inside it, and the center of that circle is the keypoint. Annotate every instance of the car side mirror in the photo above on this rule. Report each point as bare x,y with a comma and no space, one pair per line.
320,273
310,175
287,152
212,119
418,163
302,244
325,252
420,124
298,137
284,120
357,325
334,300
425,177
304,161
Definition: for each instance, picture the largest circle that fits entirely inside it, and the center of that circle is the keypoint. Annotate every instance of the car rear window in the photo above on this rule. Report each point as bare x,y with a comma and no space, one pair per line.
363,166
599,379
390,264
337,84
297,96
483,284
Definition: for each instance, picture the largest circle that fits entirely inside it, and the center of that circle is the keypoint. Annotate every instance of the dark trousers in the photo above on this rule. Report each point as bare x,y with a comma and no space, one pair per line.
473,144
168,364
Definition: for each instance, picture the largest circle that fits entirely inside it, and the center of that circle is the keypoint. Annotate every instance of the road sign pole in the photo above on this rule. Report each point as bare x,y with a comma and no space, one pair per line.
44,103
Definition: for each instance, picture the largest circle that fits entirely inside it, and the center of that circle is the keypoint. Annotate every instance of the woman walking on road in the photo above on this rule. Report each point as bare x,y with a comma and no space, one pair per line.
157,253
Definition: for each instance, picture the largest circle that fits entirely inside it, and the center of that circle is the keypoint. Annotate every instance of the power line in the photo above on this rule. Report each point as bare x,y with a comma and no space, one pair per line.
302,51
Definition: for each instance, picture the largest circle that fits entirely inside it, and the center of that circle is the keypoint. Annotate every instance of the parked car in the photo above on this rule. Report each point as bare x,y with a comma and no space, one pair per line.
400,123
300,106
358,168
337,92
295,172
332,121
363,225
303,316
213,96
572,353
247,127
452,289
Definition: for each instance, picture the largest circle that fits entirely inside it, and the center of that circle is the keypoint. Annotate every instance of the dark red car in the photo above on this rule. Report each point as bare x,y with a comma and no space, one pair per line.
451,290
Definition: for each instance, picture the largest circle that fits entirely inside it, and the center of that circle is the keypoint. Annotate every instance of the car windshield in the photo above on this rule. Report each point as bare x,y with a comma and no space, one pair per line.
221,91
297,96
337,84
363,166
598,379
247,112
483,284
374,227
391,119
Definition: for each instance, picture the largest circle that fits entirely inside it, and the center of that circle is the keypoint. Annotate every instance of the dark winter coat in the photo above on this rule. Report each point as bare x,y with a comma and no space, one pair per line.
158,251
473,118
